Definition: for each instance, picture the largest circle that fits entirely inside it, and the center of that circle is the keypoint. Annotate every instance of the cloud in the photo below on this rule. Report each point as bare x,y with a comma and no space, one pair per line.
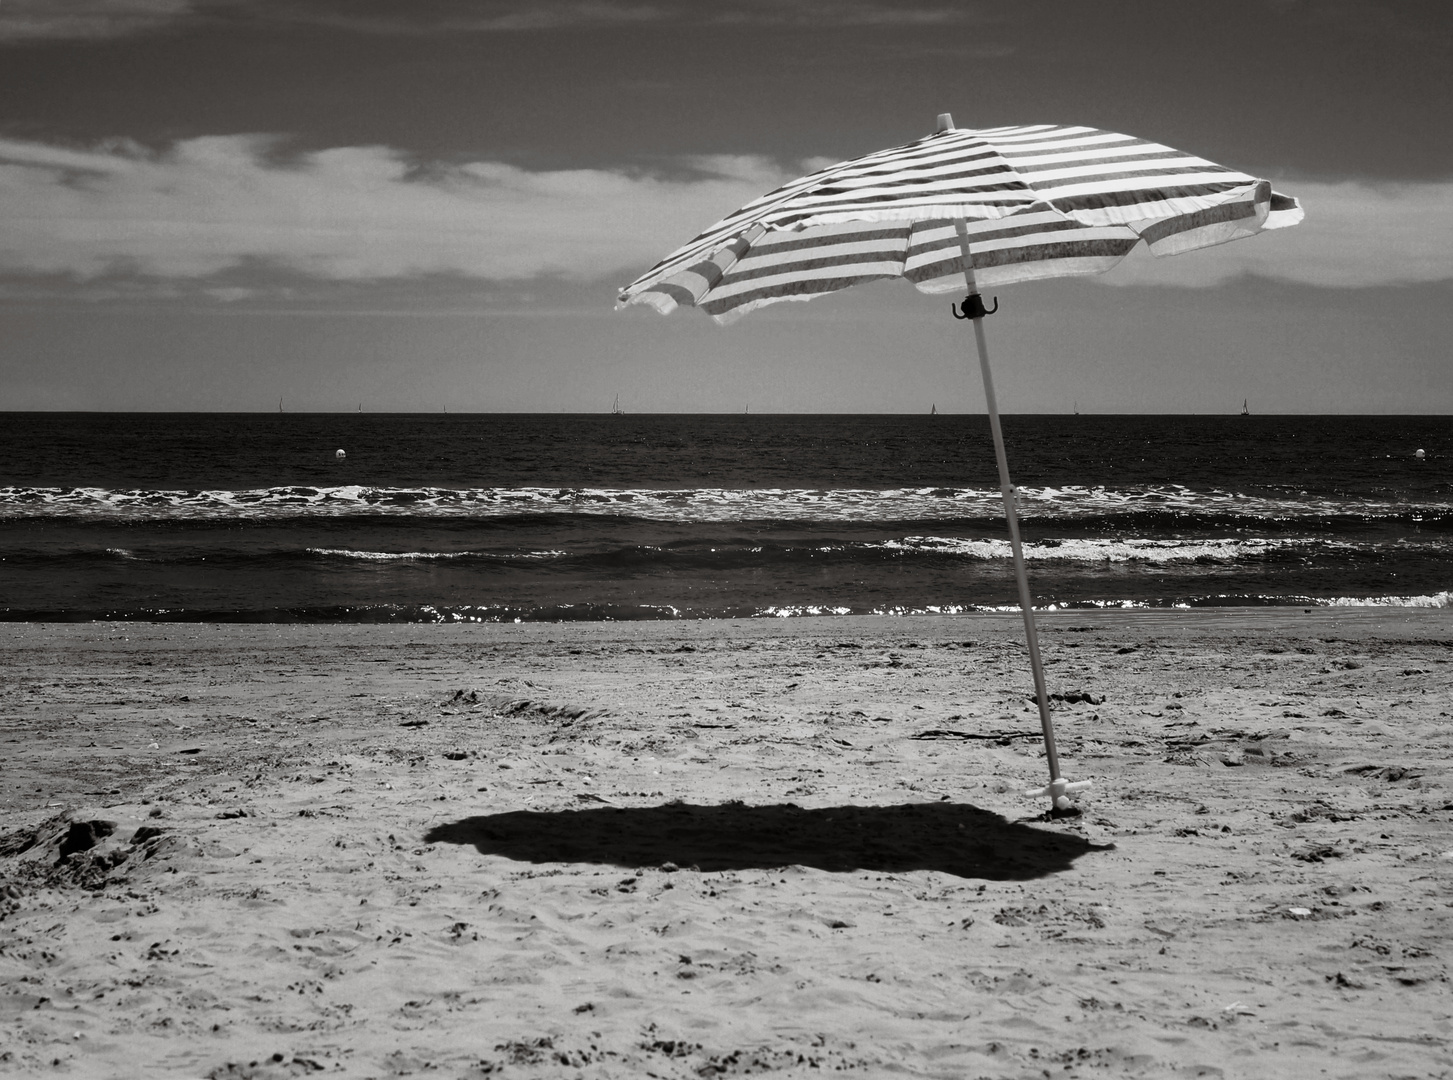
433,17
208,205
506,16
222,204
840,13
1354,235
34,20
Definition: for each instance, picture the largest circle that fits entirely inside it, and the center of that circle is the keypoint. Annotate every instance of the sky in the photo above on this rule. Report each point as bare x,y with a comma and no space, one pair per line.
420,205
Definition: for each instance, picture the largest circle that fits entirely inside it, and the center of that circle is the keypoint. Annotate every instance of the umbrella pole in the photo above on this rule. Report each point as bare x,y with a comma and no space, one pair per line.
973,309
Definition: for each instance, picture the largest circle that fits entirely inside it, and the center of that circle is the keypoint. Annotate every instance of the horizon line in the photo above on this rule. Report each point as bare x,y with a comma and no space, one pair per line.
656,412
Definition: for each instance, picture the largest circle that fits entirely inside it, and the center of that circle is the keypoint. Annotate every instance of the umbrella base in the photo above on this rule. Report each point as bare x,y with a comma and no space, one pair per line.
1059,791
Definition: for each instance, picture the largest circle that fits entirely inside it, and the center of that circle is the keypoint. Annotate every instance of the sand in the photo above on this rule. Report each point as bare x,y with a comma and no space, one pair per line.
723,848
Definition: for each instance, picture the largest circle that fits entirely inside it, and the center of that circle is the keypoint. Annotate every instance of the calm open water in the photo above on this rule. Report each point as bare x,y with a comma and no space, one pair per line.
503,517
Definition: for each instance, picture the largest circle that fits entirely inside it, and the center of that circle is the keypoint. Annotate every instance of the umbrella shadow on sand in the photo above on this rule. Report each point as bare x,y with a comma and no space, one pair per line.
951,838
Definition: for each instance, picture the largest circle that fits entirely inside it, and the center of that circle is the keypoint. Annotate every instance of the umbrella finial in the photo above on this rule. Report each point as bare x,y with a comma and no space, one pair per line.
945,122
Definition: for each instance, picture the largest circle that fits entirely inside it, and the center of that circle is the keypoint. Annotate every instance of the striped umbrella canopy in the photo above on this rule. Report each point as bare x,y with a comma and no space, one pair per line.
966,209
1036,202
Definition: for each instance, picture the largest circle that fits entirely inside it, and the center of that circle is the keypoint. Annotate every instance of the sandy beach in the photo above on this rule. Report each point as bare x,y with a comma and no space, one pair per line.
784,847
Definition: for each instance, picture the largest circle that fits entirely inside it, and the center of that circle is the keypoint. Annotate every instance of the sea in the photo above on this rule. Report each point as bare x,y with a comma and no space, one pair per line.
509,517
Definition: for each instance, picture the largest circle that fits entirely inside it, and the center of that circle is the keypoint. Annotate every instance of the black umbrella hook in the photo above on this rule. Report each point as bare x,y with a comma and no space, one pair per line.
973,307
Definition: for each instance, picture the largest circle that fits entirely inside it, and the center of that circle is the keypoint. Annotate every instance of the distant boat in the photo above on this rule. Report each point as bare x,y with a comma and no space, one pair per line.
616,409
933,409
1244,410
279,404
1077,408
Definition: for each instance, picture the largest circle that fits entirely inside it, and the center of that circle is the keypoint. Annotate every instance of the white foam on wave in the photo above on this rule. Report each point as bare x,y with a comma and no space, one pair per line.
1269,601
1261,603
1094,550
433,613
1096,605
1437,600
382,556
790,611
421,556
679,504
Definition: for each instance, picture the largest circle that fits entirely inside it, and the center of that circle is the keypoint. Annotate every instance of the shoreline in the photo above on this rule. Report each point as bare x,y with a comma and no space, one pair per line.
712,847
462,615
1288,620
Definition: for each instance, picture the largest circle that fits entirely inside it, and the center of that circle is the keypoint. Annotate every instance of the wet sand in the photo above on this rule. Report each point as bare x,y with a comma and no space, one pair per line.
720,848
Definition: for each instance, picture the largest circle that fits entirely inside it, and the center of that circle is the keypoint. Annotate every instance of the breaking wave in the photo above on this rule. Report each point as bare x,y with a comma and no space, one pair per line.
465,613
697,504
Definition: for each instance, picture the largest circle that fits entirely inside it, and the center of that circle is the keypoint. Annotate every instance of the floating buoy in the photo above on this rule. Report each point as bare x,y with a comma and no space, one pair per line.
340,455
1419,454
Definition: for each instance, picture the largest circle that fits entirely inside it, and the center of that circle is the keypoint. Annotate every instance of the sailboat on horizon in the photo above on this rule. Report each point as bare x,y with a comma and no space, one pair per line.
1244,410
616,409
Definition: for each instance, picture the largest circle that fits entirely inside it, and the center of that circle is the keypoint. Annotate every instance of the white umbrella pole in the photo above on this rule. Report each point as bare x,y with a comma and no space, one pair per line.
1058,788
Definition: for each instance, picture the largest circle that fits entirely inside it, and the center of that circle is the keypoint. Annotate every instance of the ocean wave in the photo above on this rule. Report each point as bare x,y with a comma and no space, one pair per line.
1118,550
1438,600
719,555
790,611
372,613
426,556
595,612
698,504
1222,600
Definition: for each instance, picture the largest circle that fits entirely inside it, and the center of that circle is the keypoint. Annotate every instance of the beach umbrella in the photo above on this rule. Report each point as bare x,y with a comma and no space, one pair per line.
968,209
